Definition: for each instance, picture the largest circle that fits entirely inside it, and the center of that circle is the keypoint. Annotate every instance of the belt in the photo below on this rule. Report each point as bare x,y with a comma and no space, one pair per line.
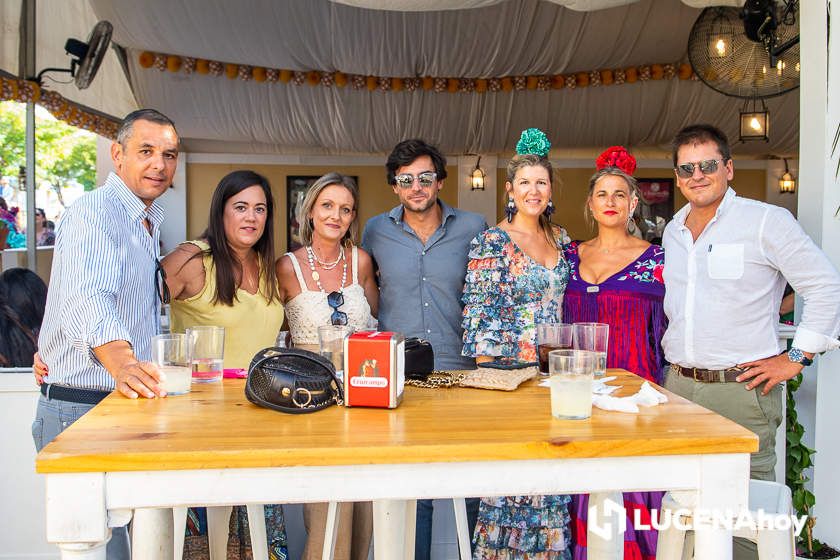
709,375
73,394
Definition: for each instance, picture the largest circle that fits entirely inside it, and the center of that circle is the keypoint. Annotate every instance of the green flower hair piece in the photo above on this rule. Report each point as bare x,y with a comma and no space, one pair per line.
533,141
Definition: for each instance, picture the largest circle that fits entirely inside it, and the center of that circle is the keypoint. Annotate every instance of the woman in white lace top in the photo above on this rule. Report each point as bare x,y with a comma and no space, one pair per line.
329,281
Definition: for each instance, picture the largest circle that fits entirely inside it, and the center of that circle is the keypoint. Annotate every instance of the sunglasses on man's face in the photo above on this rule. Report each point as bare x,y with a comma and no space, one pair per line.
336,300
707,167
425,180
160,283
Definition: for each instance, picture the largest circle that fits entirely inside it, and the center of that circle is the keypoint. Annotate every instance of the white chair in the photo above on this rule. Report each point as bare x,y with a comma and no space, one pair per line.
773,544
218,521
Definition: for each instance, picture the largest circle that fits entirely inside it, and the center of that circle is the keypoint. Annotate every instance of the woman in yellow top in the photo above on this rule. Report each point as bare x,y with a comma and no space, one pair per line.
226,278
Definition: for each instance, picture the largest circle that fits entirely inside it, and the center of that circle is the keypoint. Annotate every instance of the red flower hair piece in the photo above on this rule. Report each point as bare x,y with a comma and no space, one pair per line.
617,156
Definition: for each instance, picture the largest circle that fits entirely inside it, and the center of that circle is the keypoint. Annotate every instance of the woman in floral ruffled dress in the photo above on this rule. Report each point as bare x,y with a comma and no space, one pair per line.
515,279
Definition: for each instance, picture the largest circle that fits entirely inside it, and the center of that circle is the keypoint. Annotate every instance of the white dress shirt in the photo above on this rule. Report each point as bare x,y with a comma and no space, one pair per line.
723,291
102,285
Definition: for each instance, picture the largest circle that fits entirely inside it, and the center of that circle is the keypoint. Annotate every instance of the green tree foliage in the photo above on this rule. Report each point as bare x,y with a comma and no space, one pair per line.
64,154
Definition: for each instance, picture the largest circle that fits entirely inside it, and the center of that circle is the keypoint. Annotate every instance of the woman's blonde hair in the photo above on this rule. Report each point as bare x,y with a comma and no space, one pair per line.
520,161
333,178
632,184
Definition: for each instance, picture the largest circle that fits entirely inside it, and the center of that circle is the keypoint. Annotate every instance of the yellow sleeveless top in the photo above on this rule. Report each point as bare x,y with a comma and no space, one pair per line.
250,323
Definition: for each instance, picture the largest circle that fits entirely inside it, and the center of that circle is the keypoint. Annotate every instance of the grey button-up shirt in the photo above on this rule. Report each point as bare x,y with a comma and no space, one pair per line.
420,285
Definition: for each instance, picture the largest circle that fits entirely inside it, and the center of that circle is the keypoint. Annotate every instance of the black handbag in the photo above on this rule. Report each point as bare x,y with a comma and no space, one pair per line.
419,358
292,380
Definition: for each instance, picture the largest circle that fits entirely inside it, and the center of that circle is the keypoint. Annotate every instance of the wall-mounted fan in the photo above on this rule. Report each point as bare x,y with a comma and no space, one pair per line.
86,56
752,52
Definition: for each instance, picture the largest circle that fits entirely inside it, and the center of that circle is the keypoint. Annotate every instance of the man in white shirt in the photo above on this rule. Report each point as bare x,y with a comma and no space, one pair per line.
726,262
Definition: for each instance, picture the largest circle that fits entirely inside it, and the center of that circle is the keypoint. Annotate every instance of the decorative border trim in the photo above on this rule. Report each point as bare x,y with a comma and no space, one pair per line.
27,91
594,78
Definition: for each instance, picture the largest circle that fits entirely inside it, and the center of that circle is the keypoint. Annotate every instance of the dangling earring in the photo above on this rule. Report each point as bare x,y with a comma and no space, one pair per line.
549,210
510,209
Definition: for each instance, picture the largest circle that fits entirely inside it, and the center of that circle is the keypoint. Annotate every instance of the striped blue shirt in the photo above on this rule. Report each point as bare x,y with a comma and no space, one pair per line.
102,286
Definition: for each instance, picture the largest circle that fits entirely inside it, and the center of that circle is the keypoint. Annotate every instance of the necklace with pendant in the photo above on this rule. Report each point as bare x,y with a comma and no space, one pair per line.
310,257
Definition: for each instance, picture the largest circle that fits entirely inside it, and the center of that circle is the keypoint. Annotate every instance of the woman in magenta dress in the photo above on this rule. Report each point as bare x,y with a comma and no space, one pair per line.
617,279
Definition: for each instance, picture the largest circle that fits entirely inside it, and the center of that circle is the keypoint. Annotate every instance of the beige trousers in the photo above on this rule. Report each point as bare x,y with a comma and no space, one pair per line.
355,528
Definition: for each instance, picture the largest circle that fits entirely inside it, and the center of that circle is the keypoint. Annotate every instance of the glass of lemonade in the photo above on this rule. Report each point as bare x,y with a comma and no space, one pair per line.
594,337
571,383
208,353
552,336
172,353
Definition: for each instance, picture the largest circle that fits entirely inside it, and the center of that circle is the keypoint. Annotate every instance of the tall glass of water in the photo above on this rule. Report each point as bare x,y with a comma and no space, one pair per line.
594,337
172,353
571,383
208,353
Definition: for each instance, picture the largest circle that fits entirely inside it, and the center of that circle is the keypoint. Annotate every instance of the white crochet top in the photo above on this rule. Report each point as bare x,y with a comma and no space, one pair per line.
309,309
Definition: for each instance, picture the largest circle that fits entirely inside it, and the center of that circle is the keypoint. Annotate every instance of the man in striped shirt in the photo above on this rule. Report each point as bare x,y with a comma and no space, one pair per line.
103,305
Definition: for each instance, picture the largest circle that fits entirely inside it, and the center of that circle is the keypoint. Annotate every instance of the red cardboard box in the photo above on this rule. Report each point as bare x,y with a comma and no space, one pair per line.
374,369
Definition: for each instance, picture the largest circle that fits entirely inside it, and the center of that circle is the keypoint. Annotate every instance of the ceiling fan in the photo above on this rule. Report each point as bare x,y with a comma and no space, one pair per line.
751,52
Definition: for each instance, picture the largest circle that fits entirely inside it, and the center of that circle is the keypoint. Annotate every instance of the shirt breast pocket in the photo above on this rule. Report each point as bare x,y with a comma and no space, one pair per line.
726,261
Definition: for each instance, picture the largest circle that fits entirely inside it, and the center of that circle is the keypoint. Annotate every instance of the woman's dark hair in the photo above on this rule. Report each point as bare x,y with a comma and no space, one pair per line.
224,260
407,151
26,294
17,342
23,296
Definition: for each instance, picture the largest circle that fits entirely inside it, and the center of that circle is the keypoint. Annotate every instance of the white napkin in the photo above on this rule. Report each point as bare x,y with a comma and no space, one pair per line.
646,396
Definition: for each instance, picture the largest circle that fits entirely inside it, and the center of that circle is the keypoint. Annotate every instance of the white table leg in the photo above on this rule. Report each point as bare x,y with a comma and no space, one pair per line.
83,551
410,528
331,530
152,534
389,529
218,524
179,530
462,528
723,488
606,524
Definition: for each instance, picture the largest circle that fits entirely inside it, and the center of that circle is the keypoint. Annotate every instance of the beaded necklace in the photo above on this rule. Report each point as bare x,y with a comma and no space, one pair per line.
310,257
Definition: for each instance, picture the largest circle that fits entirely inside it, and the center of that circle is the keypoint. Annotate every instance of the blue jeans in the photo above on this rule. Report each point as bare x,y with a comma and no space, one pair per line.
423,531
52,418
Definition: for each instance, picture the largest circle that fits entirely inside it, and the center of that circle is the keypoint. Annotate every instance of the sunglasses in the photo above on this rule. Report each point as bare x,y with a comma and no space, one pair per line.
160,283
425,180
336,300
707,167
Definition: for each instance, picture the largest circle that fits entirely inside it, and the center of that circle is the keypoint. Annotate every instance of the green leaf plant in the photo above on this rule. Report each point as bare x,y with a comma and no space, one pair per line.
797,461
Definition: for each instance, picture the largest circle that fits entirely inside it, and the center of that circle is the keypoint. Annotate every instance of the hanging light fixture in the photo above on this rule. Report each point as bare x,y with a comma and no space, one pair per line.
787,184
477,177
755,121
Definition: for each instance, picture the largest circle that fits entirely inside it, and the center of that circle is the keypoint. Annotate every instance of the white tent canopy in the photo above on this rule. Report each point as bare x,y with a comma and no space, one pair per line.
506,38
480,39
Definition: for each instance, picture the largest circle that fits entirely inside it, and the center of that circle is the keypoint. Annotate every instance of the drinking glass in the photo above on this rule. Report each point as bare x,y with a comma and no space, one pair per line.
208,353
552,336
331,345
571,383
593,337
172,354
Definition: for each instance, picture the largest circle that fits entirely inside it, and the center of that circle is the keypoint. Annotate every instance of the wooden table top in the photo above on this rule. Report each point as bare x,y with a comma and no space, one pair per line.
214,427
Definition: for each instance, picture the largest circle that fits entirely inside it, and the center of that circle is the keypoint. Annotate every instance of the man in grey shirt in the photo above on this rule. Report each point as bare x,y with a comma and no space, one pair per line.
420,250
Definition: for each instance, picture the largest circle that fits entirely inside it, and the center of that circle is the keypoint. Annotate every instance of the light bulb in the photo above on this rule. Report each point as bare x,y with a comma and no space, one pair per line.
755,125
720,47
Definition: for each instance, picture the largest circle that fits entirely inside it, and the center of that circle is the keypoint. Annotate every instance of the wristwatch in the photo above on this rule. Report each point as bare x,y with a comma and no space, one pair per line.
798,356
